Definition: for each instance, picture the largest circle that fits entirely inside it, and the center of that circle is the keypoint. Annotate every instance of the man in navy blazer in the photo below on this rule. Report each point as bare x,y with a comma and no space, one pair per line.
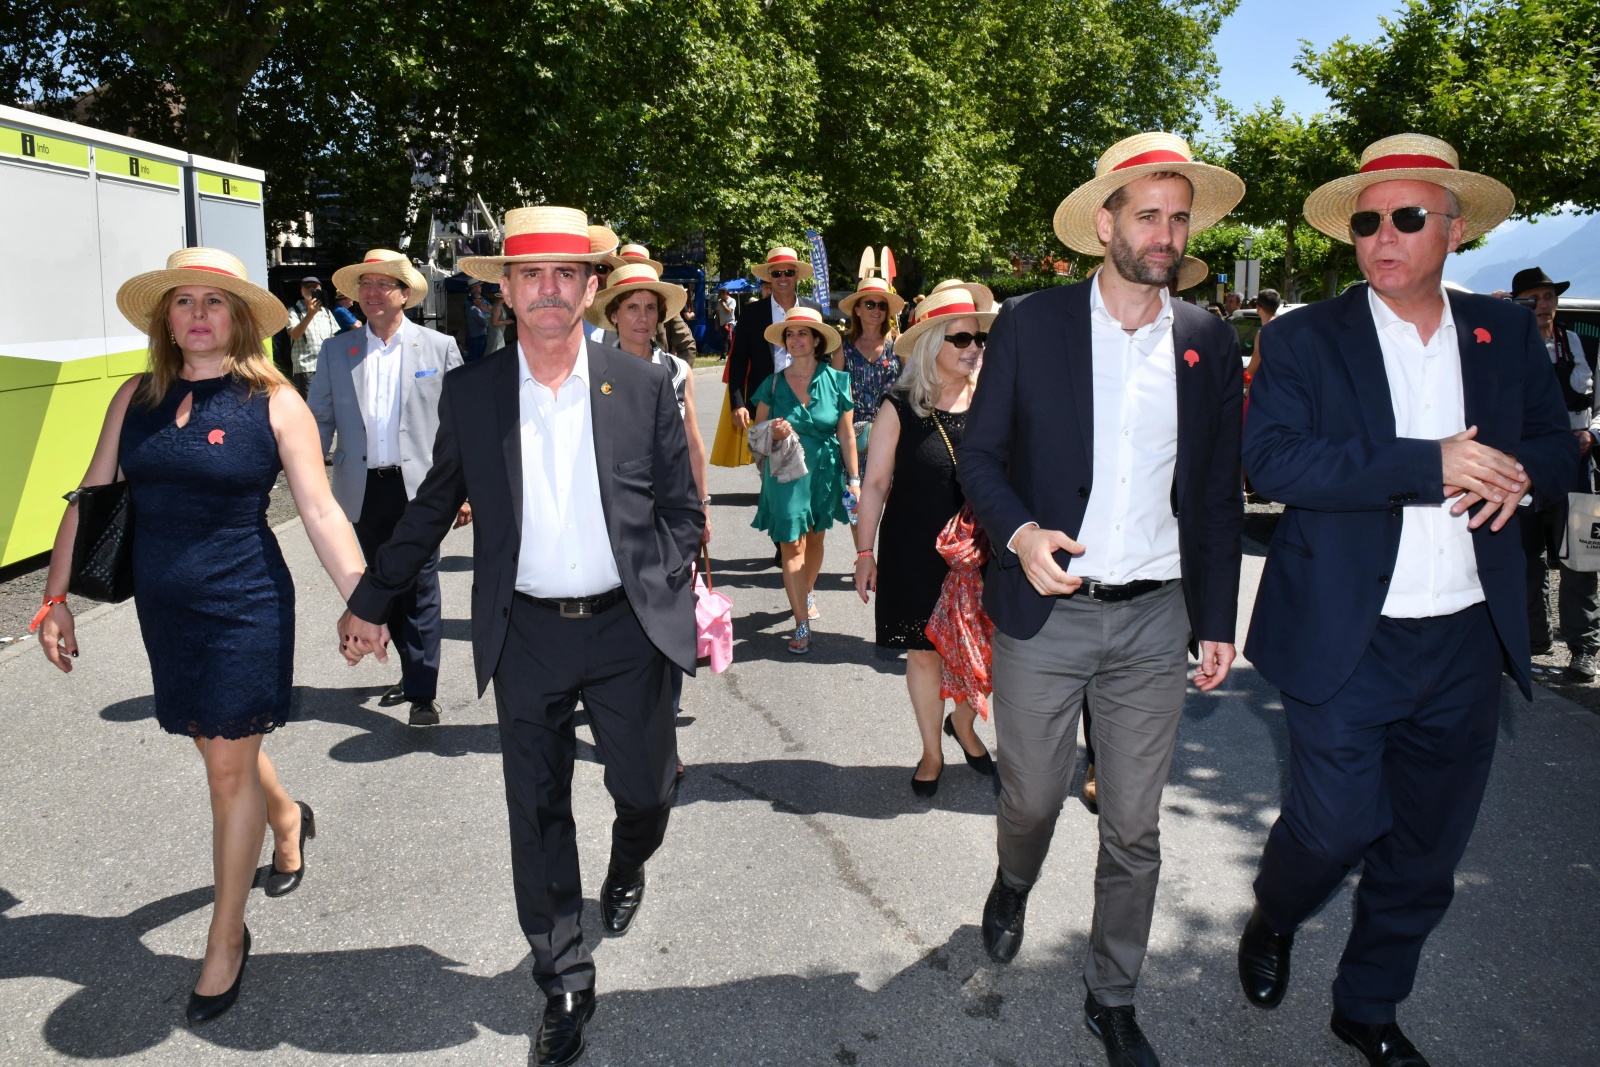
1402,425
1101,454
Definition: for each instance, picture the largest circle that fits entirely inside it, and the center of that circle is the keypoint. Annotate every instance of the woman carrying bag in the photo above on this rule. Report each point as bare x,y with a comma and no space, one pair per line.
200,438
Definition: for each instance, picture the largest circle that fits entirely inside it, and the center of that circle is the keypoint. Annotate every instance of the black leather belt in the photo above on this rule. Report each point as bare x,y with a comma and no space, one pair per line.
1112,593
582,607
383,472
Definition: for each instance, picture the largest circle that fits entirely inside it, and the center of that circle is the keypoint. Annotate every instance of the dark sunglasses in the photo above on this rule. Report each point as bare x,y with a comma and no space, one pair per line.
875,305
965,339
784,273
1405,219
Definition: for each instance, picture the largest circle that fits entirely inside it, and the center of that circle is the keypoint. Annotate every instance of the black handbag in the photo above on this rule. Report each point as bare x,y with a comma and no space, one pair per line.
102,551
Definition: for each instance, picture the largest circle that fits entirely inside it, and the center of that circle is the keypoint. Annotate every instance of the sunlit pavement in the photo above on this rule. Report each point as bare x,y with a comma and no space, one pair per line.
806,908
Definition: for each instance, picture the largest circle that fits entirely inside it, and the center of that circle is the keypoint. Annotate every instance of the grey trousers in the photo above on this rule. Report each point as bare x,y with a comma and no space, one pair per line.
1132,659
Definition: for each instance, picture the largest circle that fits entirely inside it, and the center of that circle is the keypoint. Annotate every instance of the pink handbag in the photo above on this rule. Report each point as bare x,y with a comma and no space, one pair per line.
713,619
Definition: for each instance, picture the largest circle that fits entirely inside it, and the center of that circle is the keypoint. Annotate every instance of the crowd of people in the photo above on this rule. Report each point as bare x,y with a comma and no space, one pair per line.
1086,442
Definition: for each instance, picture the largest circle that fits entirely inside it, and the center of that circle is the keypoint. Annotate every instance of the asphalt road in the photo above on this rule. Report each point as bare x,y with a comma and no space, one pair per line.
805,909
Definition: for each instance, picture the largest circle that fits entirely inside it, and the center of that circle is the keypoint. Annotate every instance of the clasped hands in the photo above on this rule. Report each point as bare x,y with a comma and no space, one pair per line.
1474,473
357,638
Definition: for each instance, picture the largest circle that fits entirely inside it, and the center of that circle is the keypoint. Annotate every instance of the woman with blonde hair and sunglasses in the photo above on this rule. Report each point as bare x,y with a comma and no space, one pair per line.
200,438
911,489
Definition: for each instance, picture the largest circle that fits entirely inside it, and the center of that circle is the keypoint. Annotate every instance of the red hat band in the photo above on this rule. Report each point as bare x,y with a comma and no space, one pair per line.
782,259
548,244
1406,162
952,309
1156,155
213,270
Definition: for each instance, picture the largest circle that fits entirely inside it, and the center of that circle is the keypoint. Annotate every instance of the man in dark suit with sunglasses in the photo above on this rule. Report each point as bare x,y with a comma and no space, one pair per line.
753,360
1402,426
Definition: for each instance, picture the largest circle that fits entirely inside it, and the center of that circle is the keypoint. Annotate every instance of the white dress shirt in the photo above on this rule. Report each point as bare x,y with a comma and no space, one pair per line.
566,551
1581,380
780,355
380,408
1436,572
1129,531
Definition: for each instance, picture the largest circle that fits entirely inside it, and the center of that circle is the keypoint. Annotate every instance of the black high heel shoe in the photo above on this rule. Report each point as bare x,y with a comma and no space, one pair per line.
983,764
922,788
281,882
204,1009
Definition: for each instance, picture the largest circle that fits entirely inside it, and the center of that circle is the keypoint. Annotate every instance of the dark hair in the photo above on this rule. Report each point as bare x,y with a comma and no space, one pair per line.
616,301
818,342
1269,299
1115,201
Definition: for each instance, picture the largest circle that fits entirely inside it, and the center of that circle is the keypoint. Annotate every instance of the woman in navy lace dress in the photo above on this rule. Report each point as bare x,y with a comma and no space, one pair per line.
200,439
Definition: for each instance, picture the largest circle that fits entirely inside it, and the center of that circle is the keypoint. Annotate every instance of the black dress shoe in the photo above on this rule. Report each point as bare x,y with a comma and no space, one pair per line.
393,695
983,764
1381,1043
281,882
1263,961
424,713
560,1038
926,788
1125,1042
1003,915
620,896
204,1009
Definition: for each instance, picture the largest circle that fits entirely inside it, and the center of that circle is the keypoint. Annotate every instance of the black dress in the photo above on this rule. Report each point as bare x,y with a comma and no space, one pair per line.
215,600
923,497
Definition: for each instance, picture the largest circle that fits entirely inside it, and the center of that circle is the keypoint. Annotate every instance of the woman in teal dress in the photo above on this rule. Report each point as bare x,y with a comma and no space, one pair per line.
812,401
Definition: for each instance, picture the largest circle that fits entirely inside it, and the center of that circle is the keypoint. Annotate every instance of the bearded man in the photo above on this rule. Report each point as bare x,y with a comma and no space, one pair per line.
1101,454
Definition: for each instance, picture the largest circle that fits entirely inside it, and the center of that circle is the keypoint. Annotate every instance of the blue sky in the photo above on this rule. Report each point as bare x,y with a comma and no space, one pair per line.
1256,47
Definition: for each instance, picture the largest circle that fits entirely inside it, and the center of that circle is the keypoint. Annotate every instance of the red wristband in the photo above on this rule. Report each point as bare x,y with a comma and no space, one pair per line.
49,602
864,552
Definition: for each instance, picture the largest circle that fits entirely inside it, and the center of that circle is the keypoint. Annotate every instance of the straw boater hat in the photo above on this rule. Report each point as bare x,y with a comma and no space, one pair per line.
804,316
382,261
142,294
981,294
873,286
633,253
631,277
543,235
781,257
1191,273
1485,203
956,302
1216,191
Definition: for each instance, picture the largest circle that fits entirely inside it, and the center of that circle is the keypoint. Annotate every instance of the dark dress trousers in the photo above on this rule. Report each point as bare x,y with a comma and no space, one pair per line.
619,661
1028,452
1391,721
750,362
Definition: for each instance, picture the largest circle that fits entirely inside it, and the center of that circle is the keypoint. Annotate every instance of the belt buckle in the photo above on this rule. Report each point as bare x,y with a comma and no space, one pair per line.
576,609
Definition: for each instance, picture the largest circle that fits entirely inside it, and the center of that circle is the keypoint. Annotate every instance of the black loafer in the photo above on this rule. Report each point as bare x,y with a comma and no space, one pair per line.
1381,1043
424,713
1263,961
560,1038
204,1009
1003,916
393,695
1125,1042
620,896
983,764
281,882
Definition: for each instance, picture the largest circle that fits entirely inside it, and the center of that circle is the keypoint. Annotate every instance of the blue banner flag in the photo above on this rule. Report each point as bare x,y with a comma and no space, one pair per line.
819,265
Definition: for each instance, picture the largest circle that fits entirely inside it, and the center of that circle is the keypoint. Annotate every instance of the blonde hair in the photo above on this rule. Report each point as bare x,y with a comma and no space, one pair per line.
246,358
919,373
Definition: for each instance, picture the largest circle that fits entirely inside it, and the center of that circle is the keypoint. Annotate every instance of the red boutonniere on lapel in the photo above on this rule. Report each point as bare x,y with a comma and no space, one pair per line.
354,351
215,436
1482,335
1191,357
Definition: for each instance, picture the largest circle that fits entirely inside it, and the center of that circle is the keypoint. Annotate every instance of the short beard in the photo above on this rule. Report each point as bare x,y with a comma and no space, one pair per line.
1131,264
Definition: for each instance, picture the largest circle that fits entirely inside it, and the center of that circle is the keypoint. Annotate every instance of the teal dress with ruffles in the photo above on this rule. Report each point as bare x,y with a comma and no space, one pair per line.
813,503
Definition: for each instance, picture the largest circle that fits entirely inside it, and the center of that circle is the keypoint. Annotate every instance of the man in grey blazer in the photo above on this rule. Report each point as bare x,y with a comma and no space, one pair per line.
377,391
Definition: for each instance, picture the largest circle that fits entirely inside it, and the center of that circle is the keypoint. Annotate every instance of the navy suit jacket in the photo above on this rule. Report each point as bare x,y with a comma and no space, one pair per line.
1027,453
1320,438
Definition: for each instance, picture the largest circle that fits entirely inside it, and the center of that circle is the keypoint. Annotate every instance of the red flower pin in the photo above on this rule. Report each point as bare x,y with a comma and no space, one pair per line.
355,351
1482,335
215,437
1191,357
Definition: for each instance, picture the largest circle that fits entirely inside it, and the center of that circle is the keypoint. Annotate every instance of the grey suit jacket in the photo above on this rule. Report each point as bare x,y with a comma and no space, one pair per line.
338,391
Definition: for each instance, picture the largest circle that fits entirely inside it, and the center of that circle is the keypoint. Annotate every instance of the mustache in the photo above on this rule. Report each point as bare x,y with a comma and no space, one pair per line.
550,302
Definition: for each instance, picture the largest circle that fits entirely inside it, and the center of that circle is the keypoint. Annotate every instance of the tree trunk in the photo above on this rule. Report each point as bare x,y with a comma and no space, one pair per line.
1287,289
